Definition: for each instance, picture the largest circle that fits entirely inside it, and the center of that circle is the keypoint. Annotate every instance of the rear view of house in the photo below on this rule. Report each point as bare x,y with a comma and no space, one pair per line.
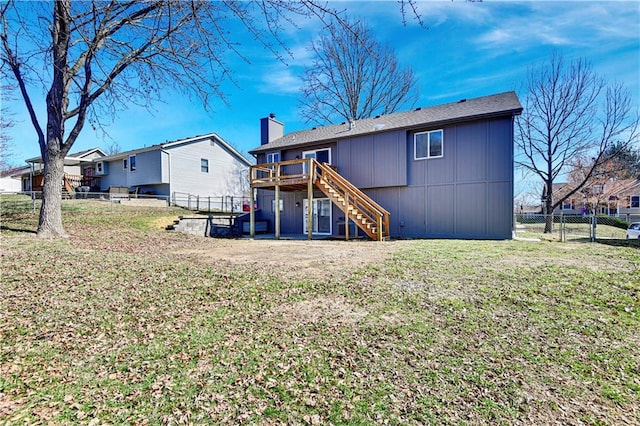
439,172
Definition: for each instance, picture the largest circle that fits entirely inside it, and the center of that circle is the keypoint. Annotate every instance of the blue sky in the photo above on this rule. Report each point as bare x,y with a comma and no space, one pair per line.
468,50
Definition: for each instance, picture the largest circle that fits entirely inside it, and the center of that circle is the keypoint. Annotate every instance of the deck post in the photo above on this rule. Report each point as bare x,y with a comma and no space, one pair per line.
252,214
310,170
346,217
277,207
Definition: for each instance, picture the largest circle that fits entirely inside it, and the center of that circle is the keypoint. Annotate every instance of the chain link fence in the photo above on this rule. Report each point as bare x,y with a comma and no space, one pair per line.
30,202
571,227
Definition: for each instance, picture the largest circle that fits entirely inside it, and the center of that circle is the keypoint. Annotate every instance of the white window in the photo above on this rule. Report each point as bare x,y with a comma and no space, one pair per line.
273,205
99,167
567,205
273,157
124,163
320,155
428,144
635,201
132,162
204,165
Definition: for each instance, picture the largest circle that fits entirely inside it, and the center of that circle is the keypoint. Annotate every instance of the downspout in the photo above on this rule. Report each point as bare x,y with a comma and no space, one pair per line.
169,172
30,176
513,162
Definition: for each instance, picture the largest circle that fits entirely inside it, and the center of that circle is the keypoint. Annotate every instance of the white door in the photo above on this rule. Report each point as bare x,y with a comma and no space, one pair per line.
321,216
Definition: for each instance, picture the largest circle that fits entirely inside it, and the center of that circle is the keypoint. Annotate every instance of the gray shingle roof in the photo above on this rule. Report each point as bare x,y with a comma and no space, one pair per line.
487,106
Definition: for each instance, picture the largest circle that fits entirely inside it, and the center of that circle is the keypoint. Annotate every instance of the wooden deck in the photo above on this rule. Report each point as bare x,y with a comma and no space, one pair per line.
289,175
305,175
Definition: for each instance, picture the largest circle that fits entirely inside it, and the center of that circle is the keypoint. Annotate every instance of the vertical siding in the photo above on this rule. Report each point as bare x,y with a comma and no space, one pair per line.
373,161
440,210
471,210
500,154
407,218
470,148
467,193
501,208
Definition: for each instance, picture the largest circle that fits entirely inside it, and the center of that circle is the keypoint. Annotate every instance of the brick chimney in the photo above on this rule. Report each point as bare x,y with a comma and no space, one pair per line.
270,129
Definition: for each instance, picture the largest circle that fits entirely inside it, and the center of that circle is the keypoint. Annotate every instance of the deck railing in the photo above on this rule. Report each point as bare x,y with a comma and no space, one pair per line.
281,173
355,199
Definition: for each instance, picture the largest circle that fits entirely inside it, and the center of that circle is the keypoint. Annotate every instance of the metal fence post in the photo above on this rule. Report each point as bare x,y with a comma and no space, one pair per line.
594,222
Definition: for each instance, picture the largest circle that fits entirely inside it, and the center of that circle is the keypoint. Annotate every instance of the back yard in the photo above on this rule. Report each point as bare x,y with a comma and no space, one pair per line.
124,323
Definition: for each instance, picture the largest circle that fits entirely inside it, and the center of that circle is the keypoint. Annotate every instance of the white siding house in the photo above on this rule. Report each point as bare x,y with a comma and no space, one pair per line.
203,165
10,181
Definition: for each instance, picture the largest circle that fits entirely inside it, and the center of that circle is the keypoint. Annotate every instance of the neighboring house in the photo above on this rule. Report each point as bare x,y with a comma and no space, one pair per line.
10,180
443,172
78,171
616,197
203,165
199,166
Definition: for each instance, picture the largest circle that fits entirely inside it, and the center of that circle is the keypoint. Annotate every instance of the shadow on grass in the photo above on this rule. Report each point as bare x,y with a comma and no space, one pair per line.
8,228
620,243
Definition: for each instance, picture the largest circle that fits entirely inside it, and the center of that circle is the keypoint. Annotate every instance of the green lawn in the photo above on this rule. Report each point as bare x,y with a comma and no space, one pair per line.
124,323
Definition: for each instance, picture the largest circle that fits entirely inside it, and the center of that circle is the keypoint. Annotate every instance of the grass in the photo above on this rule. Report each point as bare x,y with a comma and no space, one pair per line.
124,323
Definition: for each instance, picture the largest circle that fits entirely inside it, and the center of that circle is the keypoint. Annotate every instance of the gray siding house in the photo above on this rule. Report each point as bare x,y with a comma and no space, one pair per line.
203,165
441,172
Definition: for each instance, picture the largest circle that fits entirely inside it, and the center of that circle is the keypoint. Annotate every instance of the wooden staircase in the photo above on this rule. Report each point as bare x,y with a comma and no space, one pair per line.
369,216
67,189
302,174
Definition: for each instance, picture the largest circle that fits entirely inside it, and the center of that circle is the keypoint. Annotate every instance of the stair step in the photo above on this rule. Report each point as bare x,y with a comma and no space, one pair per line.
334,191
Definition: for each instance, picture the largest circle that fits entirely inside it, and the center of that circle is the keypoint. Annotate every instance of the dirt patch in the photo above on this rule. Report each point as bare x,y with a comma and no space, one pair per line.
334,309
314,259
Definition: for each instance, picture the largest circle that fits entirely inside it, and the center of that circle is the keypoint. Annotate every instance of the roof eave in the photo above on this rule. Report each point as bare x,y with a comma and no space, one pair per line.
505,113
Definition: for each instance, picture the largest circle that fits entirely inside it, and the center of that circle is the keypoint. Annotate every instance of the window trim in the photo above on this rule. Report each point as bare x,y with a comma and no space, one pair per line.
305,207
631,203
273,205
314,151
566,203
272,154
132,163
204,163
428,133
125,163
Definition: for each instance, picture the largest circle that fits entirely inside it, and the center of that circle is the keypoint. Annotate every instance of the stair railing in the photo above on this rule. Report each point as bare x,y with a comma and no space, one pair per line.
355,197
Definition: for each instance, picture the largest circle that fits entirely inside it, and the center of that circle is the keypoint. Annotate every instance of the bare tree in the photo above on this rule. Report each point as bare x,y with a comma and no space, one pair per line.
93,58
353,77
6,122
114,148
570,113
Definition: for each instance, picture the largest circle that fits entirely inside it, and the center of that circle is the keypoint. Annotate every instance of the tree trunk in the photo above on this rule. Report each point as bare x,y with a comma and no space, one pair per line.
548,225
50,222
